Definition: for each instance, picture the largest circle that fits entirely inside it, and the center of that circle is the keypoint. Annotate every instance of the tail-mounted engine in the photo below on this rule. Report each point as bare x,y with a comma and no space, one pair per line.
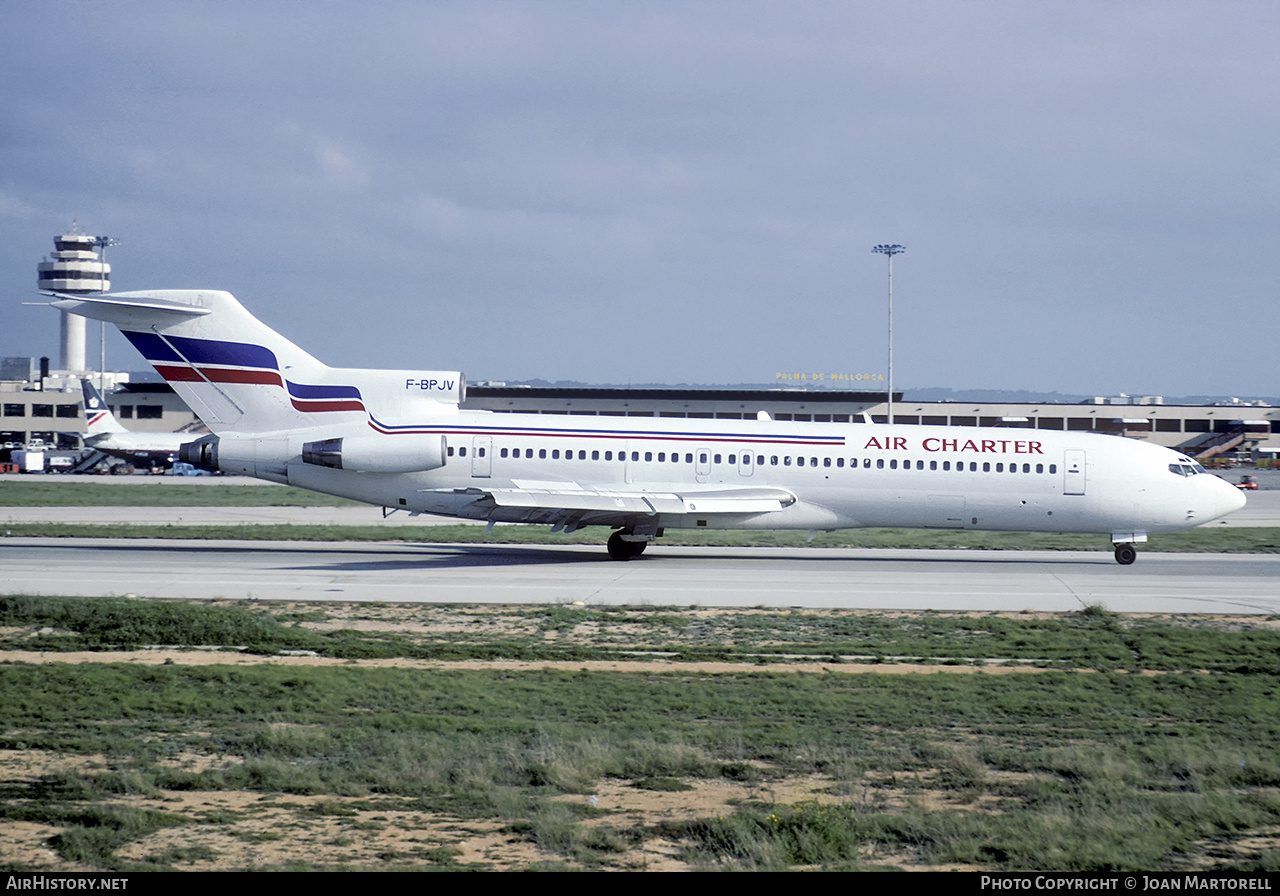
378,454
265,457
268,457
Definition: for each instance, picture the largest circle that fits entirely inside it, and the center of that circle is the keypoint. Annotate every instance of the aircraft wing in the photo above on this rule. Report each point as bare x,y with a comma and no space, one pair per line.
560,503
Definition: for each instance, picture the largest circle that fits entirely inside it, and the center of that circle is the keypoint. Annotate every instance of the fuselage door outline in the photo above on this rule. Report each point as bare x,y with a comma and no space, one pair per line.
481,456
1073,472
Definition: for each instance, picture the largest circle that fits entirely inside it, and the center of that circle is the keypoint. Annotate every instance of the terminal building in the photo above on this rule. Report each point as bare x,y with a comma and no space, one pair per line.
52,418
34,418
1202,431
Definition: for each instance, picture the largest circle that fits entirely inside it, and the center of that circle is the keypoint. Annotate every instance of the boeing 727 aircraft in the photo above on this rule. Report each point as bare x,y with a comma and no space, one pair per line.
104,433
399,439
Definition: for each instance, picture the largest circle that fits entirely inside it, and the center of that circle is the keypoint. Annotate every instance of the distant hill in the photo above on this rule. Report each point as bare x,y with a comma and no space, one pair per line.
928,393
938,393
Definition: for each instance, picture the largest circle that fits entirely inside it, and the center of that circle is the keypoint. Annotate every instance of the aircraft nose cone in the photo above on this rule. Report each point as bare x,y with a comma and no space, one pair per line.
1238,500
1226,498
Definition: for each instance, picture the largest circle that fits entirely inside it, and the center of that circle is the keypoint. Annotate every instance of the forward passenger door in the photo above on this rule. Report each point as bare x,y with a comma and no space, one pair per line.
1073,472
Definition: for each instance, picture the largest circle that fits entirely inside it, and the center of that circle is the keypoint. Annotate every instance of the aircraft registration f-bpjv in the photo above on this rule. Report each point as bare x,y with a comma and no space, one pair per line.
399,439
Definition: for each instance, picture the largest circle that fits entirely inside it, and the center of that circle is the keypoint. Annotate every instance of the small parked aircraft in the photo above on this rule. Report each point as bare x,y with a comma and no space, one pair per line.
103,432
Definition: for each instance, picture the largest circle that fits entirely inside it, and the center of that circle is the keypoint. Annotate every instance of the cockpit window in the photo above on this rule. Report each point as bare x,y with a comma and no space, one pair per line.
1187,468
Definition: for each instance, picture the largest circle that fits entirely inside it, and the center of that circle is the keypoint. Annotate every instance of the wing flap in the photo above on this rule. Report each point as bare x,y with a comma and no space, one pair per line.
737,500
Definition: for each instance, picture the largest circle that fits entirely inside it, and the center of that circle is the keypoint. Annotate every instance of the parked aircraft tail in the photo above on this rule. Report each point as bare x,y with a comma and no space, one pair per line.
98,419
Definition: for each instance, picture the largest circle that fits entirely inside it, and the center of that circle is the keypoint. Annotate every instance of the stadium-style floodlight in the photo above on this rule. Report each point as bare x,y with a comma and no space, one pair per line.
890,250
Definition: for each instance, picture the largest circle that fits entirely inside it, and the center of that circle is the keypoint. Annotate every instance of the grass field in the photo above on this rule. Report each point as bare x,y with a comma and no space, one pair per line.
52,491
569,737
140,735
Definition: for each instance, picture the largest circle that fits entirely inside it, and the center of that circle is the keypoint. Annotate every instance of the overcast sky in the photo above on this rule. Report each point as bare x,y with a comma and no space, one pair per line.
672,192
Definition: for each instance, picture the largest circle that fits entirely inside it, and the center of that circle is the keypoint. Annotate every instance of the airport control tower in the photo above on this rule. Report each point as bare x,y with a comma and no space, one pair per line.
74,267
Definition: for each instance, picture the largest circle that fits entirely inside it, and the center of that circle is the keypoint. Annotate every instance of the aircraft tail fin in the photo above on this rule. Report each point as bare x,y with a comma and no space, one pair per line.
240,376
215,354
98,419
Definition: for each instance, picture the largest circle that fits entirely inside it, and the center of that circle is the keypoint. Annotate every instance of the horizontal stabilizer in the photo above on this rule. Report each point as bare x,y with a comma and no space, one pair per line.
127,309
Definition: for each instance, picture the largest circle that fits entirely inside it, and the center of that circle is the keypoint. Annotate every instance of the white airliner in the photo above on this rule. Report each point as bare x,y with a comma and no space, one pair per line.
104,433
399,439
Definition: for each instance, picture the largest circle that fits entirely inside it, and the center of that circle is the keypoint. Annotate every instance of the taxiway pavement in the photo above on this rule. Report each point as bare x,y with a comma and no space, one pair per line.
665,576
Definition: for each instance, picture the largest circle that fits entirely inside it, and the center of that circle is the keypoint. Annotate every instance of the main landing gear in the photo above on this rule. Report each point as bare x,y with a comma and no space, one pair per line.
622,549
1126,553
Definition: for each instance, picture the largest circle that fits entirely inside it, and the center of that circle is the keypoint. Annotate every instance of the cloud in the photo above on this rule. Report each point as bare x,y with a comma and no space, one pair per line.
689,190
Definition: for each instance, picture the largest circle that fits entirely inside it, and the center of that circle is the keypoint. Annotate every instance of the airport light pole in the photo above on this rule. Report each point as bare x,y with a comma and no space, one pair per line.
890,250
102,242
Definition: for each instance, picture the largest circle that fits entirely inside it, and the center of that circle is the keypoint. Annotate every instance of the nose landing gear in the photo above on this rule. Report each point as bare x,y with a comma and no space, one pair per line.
1126,553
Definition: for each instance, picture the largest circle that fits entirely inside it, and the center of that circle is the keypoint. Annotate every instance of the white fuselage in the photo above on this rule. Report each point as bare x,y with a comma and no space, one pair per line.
842,475
159,447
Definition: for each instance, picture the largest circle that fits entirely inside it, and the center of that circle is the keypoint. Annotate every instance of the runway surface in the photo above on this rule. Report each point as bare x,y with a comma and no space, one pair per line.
665,576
